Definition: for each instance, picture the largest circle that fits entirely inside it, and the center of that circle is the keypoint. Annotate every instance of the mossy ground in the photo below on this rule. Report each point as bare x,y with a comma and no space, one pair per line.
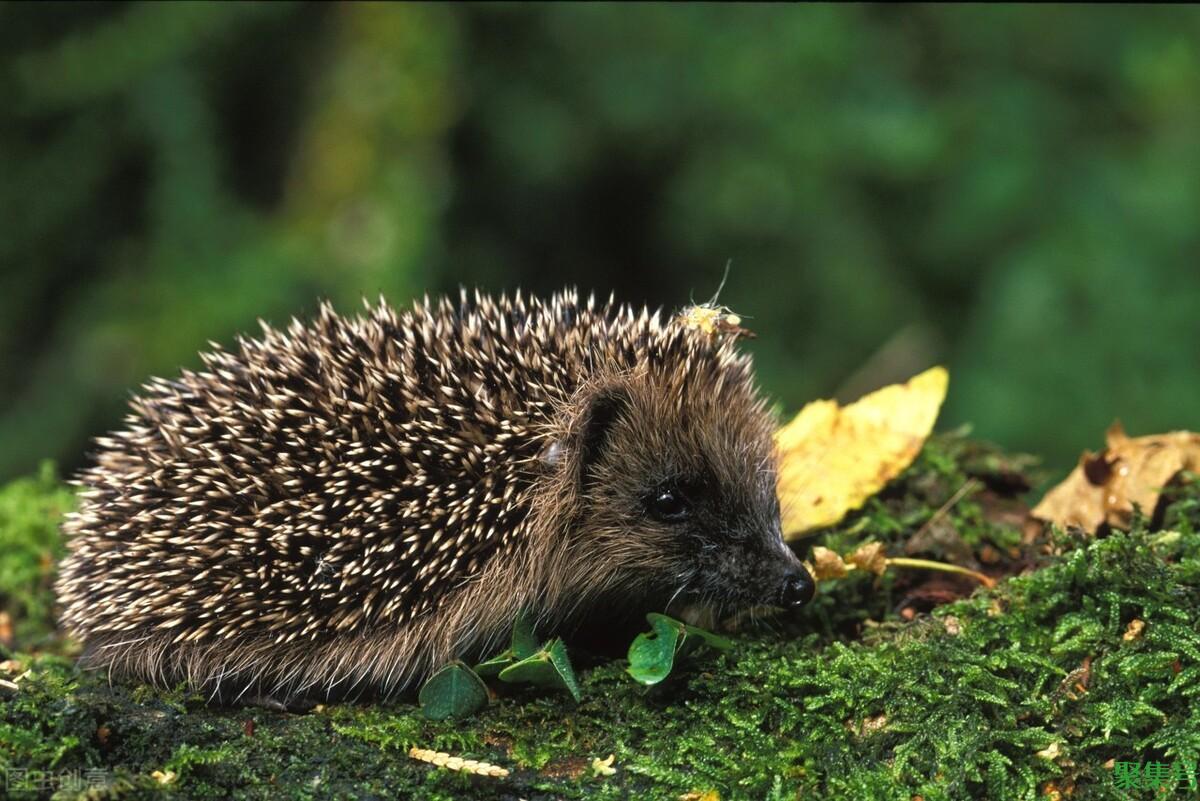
895,687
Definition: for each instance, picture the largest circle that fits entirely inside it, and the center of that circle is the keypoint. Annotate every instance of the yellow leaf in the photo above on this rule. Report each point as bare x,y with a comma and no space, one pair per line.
833,458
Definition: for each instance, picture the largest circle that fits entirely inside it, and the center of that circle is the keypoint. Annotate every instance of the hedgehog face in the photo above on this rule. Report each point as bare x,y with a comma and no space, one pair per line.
681,497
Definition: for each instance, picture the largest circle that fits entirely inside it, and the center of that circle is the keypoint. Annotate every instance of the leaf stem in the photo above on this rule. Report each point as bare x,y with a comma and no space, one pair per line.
928,564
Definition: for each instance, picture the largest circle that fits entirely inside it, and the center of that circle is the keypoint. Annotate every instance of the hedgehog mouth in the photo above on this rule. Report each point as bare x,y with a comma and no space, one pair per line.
723,592
698,602
709,610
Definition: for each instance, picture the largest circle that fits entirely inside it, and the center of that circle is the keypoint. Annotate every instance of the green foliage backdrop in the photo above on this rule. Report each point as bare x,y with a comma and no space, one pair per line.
1010,190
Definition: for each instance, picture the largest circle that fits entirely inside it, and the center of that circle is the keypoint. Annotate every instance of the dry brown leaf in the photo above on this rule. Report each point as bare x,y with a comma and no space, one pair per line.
832,459
1105,486
1051,752
826,564
872,725
869,557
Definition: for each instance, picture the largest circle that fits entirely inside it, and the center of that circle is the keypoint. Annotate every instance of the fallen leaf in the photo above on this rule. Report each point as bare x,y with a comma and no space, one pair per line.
867,726
1050,752
164,777
1134,630
832,458
869,557
1130,471
826,564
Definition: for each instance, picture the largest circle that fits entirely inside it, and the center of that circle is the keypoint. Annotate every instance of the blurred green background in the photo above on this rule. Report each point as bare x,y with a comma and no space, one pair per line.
1013,191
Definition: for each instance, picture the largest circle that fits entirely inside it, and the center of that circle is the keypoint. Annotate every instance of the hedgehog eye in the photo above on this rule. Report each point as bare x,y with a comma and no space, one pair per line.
668,506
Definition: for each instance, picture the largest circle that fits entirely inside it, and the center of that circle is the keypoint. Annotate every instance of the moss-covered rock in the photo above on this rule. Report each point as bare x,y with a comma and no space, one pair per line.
1084,658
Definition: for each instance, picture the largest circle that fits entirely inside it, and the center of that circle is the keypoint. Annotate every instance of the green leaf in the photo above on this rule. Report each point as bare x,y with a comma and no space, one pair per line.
524,641
652,654
523,645
711,640
455,691
492,667
562,665
549,667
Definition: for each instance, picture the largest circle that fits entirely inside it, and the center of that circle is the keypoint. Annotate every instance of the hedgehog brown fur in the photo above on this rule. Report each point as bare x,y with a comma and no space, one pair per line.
347,505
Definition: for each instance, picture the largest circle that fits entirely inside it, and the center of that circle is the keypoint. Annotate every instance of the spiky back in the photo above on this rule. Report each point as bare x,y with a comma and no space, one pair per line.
341,473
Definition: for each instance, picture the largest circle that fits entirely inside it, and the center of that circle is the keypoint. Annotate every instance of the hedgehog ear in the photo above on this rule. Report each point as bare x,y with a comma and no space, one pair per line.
602,412
583,446
585,443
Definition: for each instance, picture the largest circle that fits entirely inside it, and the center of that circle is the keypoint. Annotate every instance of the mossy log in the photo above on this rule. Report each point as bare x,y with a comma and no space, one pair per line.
1082,661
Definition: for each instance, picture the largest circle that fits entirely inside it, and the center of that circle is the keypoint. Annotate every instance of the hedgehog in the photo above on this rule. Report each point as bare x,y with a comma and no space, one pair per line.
342,507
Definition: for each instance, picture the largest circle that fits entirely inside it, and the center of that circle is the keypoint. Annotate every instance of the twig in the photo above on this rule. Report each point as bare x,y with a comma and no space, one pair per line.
929,564
970,485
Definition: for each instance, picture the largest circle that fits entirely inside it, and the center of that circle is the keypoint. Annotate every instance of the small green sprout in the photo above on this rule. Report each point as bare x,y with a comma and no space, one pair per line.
455,691
549,667
653,654
523,645
527,662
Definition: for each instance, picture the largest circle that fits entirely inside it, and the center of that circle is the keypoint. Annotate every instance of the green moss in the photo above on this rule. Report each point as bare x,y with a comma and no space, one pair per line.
30,545
846,701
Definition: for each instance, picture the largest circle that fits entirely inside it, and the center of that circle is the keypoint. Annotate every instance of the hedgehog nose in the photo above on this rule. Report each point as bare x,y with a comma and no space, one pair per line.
798,588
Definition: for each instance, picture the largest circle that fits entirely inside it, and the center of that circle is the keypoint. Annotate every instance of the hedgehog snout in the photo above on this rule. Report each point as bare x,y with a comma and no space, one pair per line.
794,585
798,588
